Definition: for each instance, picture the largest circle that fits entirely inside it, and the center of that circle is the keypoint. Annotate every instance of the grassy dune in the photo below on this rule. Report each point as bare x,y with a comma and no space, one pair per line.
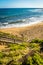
20,53
22,46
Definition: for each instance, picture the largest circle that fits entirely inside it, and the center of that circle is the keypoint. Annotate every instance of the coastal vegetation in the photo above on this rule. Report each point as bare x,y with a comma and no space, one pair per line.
19,51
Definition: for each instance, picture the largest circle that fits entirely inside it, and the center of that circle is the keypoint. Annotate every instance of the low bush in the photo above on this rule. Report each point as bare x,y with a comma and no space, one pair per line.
37,41
34,60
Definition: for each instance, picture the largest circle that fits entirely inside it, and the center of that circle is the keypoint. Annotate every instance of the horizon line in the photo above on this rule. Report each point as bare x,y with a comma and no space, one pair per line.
19,7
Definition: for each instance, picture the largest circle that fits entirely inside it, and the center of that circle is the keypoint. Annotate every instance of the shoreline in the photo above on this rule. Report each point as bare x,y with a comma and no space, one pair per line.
22,25
30,32
21,28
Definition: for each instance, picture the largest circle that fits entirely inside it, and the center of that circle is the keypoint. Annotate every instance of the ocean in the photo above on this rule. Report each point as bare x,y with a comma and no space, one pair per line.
19,17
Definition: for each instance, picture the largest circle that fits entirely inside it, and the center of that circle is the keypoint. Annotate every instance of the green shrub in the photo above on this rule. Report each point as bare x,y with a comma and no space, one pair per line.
34,46
34,60
37,41
37,58
1,62
1,55
29,61
18,46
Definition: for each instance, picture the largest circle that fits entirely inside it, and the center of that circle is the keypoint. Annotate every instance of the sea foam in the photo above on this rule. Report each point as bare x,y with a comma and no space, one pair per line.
25,22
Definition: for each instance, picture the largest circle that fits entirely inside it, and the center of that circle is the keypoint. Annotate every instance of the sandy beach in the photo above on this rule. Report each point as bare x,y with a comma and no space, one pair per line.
33,31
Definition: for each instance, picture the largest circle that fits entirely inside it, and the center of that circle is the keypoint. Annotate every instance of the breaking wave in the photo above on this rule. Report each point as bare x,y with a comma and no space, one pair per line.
22,22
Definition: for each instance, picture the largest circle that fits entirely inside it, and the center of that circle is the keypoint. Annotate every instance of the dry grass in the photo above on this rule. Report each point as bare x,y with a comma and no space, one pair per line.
2,47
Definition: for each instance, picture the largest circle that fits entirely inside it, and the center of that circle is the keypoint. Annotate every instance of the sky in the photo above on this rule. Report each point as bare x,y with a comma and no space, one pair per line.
21,3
